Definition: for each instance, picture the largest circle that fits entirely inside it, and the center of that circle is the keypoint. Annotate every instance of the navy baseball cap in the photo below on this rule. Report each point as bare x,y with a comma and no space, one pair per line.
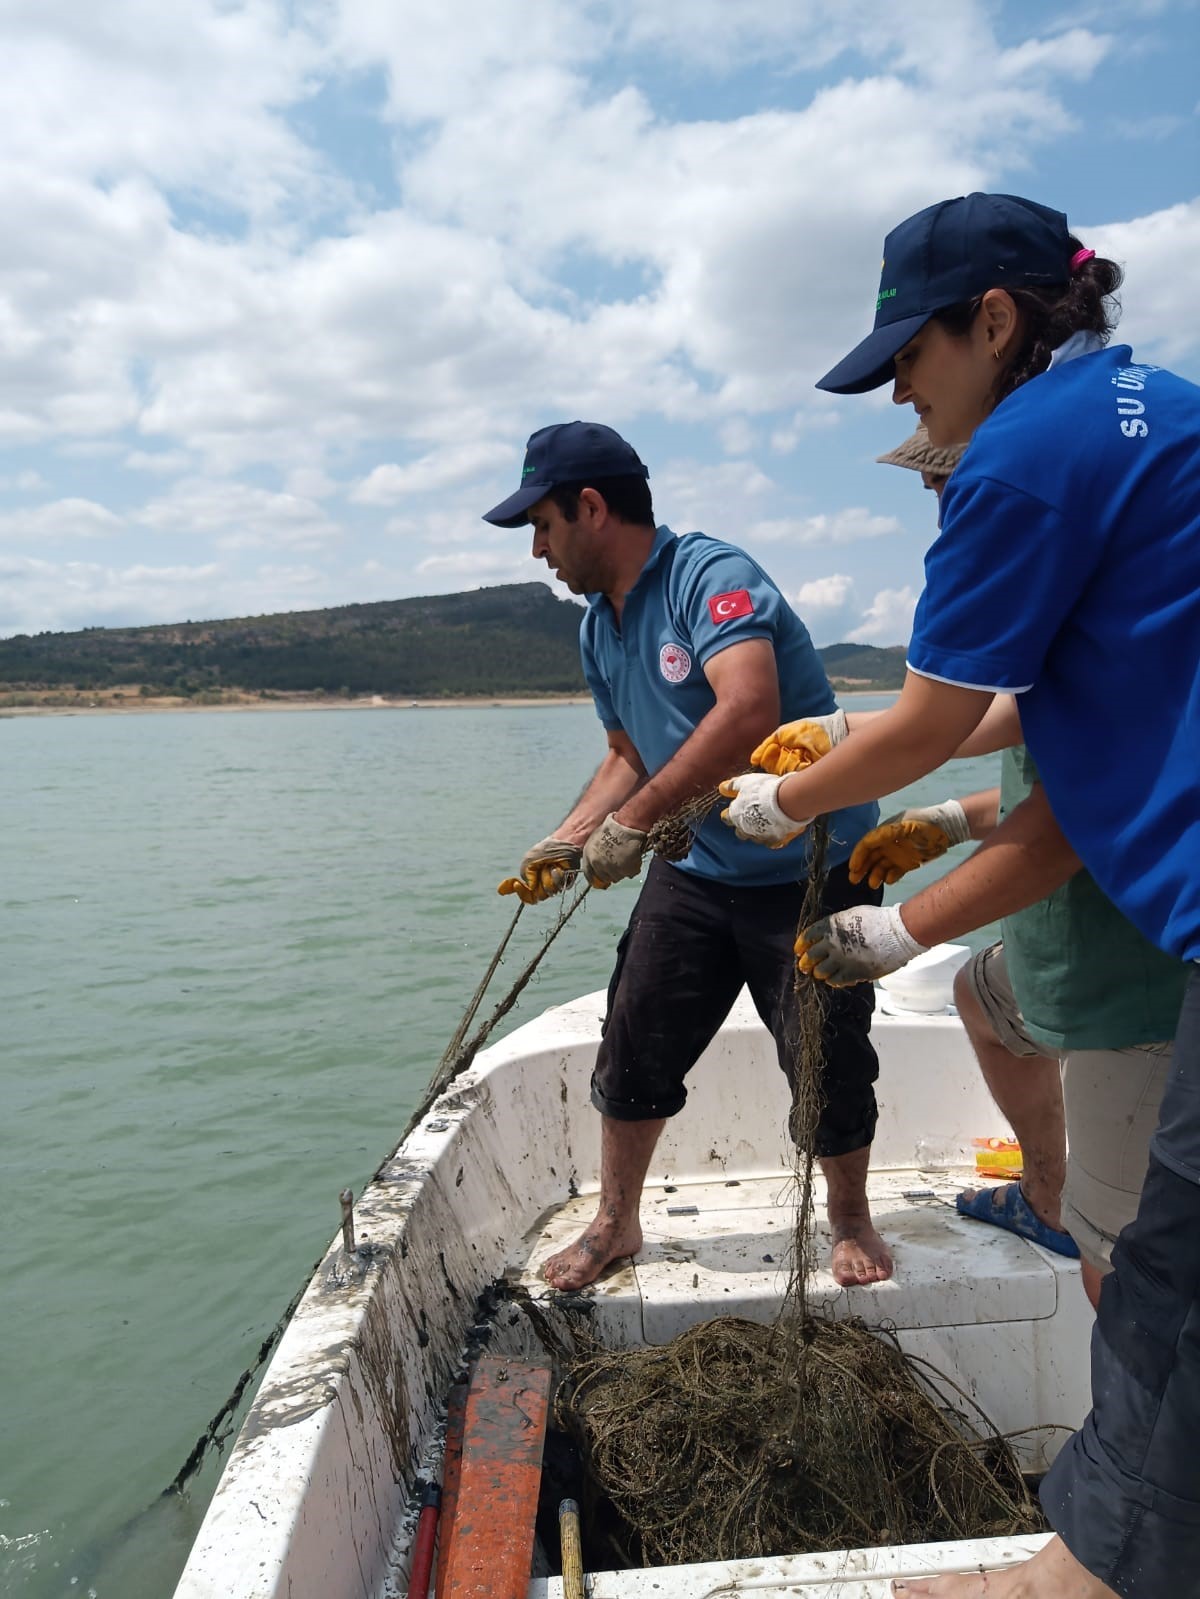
566,452
943,256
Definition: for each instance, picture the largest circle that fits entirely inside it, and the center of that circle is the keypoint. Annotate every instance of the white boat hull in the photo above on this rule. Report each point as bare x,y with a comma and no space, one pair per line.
314,1500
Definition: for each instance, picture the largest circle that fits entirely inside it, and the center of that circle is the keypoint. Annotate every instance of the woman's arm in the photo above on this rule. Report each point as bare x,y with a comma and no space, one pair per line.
926,726
999,729
1023,860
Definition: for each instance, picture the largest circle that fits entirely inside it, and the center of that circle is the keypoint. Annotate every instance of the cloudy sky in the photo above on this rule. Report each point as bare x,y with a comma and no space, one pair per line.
284,287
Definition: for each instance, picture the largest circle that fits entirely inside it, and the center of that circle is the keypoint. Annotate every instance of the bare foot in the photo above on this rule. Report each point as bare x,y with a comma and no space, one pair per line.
608,1238
860,1255
1053,1573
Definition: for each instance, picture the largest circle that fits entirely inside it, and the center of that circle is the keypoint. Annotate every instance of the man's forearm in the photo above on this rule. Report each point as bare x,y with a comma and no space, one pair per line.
1026,858
720,744
617,778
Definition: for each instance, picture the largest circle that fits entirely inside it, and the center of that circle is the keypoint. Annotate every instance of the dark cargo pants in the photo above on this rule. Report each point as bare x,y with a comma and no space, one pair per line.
1124,1494
690,945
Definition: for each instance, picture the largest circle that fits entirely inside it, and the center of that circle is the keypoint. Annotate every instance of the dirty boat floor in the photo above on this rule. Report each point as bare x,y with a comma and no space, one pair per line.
725,1248
1004,1318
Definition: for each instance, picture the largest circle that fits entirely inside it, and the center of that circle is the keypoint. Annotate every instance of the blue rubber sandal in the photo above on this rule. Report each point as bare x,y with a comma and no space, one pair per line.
1007,1207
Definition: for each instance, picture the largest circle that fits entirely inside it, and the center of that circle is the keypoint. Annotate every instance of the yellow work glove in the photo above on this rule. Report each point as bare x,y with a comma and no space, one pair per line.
907,840
798,744
545,870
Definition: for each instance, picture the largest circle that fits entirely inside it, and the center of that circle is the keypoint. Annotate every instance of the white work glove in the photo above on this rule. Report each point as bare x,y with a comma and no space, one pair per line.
756,814
856,945
613,852
799,744
545,870
907,840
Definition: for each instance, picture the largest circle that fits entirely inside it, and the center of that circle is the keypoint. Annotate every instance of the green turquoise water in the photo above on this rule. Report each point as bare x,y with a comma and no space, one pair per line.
232,948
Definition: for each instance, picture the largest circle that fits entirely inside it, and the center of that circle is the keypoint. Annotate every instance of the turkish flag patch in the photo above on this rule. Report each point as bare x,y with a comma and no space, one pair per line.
724,607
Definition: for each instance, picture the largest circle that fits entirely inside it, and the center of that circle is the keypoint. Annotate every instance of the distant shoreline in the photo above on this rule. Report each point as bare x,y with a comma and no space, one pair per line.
152,704
156,704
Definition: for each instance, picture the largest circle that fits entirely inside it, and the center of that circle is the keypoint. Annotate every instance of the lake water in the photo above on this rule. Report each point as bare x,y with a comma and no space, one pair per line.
232,949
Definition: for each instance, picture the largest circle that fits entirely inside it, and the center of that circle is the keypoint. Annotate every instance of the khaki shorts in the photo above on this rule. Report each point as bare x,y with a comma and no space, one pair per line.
1111,1098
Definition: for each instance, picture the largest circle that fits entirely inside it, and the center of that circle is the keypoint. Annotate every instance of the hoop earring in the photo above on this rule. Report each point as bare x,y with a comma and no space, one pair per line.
997,354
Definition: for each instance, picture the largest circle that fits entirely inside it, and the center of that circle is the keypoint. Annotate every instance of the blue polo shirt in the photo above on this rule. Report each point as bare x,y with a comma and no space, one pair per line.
1067,570
695,597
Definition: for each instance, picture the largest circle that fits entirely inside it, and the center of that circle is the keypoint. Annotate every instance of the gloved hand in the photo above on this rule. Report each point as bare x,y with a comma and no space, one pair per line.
856,945
756,814
612,852
907,840
798,744
545,870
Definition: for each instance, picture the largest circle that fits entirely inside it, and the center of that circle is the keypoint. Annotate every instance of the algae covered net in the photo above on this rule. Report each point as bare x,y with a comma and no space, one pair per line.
740,1439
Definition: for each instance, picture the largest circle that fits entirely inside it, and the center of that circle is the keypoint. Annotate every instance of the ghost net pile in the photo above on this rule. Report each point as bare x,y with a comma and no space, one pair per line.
744,1440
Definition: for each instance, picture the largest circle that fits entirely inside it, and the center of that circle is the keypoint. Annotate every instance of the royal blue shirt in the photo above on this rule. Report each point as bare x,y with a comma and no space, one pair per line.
1068,571
695,597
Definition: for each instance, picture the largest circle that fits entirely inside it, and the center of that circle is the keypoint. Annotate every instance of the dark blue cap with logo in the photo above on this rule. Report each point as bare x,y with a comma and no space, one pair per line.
566,452
943,256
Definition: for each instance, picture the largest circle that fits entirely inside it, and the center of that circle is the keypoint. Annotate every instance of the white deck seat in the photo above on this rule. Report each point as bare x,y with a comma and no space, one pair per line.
722,1248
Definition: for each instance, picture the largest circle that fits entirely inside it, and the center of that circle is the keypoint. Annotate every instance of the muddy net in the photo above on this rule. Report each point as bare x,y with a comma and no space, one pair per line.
740,1439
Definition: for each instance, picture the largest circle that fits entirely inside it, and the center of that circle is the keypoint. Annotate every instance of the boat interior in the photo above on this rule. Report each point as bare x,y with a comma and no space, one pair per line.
350,1419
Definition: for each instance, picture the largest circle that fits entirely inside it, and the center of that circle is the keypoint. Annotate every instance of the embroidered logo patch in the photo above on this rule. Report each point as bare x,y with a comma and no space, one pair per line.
723,607
674,662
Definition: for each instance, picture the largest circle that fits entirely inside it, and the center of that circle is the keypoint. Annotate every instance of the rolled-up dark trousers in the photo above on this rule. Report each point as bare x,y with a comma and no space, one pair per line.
1124,1494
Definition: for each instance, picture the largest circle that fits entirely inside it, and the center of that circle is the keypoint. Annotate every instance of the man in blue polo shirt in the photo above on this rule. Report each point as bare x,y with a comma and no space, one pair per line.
692,655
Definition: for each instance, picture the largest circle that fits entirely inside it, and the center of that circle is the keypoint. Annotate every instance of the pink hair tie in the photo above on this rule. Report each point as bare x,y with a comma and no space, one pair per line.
1077,260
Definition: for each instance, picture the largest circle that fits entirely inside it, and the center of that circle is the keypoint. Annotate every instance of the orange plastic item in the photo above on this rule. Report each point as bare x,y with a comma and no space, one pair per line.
491,1546
997,1157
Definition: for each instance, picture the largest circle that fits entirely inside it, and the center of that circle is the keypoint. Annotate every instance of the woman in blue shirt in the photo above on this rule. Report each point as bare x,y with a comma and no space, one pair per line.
1066,573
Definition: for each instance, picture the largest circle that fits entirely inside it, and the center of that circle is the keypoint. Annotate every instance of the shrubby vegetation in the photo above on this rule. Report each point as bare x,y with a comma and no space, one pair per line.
515,639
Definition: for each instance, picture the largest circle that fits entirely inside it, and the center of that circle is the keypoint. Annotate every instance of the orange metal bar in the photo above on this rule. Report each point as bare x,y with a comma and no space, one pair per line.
492,1543
456,1408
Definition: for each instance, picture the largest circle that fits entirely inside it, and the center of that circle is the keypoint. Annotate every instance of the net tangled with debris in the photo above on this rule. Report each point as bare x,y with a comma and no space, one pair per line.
743,1440
738,1439
673,835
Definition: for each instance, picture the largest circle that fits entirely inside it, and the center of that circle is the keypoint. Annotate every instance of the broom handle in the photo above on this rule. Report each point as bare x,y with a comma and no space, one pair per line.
572,1553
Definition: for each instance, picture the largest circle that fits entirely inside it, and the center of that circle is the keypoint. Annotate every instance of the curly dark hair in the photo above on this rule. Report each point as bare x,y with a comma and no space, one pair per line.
1049,316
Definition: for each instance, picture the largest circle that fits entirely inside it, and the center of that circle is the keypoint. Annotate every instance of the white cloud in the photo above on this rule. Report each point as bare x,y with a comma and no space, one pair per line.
1076,54
162,463
559,211
60,519
36,595
186,95
714,498
1158,294
837,527
888,619
477,567
824,593
785,439
440,469
737,436
238,516
310,483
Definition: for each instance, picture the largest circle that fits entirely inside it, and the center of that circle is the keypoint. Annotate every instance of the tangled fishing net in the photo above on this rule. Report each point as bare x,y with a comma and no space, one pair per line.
739,1439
